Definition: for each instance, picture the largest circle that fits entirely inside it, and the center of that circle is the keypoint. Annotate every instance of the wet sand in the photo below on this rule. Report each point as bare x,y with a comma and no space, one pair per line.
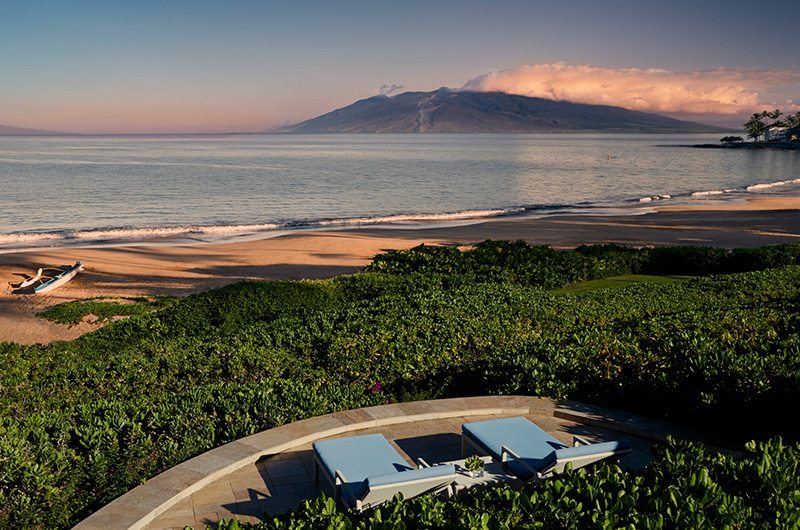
146,270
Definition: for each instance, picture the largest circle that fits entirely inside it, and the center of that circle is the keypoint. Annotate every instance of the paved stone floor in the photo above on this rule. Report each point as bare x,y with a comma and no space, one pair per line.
277,484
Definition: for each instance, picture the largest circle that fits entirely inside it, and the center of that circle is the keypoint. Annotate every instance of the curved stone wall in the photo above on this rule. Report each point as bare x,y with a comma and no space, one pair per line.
135,509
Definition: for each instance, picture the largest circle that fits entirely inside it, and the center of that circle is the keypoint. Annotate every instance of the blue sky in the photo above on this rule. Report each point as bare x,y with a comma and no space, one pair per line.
148,66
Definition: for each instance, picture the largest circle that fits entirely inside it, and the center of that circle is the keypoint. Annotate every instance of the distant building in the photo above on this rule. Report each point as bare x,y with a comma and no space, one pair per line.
777,134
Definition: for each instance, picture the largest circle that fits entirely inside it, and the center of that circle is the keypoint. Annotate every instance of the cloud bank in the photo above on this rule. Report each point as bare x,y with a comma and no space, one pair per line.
722,92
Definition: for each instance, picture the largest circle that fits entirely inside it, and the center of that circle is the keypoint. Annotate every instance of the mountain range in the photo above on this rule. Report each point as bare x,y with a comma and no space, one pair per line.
454,111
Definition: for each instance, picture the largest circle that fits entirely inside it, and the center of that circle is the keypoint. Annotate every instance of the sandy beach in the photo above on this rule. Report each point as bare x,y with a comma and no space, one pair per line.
147,270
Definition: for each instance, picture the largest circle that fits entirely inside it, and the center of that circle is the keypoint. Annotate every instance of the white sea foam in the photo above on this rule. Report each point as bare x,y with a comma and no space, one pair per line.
149,233
238,229
223,230
767,185
170,231
725,191
655,198
26,239
420,217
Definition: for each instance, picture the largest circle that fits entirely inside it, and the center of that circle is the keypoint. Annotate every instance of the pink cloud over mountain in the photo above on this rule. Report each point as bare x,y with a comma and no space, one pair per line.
724,91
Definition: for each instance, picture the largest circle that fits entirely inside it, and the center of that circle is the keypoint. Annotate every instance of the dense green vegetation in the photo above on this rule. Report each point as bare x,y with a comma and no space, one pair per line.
684,487
519,263
84,421
761,122
103,309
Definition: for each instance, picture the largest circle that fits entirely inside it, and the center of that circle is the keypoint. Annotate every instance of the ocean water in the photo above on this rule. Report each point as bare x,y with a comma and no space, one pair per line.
58,191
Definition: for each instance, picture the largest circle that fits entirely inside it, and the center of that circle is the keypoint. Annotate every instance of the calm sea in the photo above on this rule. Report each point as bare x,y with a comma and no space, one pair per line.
87,190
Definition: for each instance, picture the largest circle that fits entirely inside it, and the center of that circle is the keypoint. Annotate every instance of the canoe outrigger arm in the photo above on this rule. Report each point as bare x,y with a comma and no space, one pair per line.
60,279
28,283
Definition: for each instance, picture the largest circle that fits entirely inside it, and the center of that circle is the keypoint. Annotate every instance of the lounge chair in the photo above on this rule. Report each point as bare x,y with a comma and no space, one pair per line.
366,471
530,453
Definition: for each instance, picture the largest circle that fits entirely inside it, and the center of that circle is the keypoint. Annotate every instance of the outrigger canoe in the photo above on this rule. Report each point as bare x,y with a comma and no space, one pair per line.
60,279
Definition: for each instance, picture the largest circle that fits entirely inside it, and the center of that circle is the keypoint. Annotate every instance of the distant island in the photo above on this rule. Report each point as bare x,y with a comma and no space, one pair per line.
8,130
454,111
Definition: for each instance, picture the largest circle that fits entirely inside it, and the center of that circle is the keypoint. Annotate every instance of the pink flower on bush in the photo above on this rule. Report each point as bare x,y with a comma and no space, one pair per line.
376,387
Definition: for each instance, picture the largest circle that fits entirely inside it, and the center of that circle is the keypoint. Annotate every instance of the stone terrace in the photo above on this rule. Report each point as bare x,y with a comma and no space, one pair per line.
271,472
276,484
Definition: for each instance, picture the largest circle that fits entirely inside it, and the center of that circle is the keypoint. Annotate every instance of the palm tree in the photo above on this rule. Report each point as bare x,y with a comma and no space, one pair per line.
774,115
793,123
755,126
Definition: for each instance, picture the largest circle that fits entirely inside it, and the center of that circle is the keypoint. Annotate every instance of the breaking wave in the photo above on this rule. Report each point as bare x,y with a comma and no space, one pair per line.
655,198
169,231
122,234
708,193
768,185
26,239
422,217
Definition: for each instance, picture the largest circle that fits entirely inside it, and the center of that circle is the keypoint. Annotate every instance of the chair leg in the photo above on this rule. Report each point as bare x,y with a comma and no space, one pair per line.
463,446
316,471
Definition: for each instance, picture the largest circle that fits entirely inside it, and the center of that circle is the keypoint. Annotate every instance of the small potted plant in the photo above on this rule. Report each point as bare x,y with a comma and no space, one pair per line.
474,466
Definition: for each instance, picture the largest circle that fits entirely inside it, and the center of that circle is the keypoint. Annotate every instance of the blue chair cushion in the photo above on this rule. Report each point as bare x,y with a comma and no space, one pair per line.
411,475
621,446
535,447
359,457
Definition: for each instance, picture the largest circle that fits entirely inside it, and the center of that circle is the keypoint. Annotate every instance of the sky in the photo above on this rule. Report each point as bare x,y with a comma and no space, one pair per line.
223,66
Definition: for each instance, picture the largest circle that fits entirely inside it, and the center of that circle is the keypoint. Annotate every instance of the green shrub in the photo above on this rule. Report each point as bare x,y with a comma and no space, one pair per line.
73,312
60,464
543,266
83,421
684,487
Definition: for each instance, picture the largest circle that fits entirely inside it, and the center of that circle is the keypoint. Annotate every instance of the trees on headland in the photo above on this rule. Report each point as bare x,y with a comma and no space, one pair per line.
755,126
761,124
793,123
731,139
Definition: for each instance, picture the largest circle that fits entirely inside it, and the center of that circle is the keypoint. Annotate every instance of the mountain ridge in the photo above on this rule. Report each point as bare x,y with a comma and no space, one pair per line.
8,130
454,111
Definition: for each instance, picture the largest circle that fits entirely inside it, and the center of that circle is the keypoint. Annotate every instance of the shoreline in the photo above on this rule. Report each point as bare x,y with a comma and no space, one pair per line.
178,269
776,146
750,204
193,234
189,235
